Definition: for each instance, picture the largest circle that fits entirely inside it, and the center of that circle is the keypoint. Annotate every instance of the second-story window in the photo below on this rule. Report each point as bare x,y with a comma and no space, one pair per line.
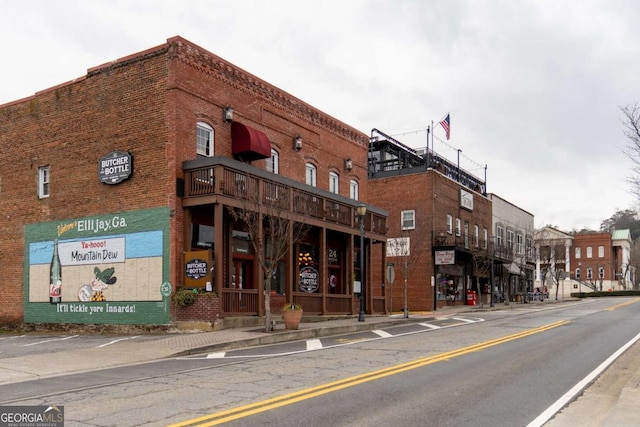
449,224
476,236
466,234
510,241
334,183
578,253
273,164
600,251
458,227
519,244
408,220
311,175
589,252
485,234
43,182
499,235
353,189
204,139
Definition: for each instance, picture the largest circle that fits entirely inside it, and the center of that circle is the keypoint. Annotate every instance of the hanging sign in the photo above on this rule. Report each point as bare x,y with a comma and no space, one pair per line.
115,167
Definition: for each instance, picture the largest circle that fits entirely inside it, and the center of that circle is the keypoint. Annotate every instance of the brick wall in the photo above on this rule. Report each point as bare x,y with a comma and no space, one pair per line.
147,104
432,196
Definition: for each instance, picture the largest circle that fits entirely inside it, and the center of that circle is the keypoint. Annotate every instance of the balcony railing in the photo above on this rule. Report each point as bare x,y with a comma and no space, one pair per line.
485,247
243,182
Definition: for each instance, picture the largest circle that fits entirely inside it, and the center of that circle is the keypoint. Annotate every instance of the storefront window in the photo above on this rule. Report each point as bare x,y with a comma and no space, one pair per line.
241,243
202,236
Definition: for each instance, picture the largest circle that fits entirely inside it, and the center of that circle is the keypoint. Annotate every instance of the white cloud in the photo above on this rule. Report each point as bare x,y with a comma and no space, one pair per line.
533,86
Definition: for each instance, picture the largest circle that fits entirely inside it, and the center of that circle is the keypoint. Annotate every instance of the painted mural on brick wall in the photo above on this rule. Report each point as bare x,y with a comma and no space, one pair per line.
104,269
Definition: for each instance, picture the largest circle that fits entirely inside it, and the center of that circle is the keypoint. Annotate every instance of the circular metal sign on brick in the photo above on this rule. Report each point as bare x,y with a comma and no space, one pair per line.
115,167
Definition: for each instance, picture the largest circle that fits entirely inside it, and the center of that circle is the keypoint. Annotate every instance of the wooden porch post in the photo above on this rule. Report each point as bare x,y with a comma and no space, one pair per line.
218,248
324,270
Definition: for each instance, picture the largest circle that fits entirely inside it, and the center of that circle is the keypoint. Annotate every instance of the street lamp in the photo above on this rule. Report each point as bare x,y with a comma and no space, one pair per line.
361,210
493,250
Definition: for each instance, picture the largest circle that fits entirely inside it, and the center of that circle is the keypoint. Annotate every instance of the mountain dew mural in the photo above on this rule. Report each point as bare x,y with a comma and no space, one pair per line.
102,269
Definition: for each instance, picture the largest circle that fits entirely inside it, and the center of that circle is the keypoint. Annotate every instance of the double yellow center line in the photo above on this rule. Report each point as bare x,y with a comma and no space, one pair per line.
287,399
624,304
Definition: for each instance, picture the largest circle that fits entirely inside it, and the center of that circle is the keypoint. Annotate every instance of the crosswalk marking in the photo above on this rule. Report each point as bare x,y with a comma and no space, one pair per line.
219,355
314,344
382,333
429,325
462,319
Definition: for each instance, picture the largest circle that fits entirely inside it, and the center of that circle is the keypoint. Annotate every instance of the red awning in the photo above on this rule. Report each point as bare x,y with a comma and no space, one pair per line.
249,144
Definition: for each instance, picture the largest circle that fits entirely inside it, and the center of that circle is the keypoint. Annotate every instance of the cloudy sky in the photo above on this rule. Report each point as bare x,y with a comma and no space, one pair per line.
534,87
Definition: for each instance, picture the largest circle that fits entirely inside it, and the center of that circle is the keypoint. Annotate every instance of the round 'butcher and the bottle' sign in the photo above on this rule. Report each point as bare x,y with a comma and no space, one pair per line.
115,167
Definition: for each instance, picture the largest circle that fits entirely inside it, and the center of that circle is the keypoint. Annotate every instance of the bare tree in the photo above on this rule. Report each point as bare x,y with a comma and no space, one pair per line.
552,256
482,263
634,264
409,248
271,231
631,125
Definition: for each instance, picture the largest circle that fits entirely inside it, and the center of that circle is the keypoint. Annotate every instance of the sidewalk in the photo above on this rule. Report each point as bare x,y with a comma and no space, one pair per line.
37,366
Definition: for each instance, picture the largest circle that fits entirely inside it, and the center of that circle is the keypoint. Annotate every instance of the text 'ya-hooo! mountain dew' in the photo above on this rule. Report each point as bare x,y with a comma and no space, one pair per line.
55,283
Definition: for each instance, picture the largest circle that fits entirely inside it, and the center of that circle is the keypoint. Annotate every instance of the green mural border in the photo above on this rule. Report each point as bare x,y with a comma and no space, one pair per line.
124,312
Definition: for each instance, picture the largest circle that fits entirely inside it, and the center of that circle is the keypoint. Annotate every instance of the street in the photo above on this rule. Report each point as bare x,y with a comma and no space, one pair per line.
490,368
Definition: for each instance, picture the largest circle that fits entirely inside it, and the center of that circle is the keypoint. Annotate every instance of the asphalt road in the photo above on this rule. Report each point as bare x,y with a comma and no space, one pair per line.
504,370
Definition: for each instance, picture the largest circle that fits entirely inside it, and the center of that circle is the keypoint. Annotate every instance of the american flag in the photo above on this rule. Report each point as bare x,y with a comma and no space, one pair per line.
445,123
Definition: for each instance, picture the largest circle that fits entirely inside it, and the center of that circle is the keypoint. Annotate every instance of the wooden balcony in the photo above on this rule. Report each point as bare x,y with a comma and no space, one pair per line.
224,180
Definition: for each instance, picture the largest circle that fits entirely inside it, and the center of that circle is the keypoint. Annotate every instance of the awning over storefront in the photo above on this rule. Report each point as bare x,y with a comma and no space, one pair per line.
249,144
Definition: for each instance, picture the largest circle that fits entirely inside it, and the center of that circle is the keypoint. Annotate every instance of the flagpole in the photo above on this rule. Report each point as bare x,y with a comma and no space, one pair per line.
433,148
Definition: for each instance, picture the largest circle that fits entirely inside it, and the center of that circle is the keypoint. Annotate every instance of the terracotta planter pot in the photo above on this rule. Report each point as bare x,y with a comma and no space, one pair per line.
292,318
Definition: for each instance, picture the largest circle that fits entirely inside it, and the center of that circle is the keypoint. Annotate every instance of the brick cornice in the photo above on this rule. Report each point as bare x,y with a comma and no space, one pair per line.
210,64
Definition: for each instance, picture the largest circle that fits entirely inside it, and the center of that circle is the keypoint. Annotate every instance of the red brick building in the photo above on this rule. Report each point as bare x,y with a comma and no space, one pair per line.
127,174
439,226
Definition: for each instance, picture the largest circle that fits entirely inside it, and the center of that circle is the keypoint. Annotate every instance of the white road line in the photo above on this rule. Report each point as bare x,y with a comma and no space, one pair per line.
219,355
53,339
570,395
118,340
462,319
314,344
429,325
382,333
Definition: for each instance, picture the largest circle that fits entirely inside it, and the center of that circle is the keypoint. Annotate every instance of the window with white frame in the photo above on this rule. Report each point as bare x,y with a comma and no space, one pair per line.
43,182
510,240
578,253
577,273
449,224
499,235
466,234
589,273
485,234
273,164
601,272
204,139
458,227
600,251
408,220
519,244
476,236
311,175
353,189
334,185
589,252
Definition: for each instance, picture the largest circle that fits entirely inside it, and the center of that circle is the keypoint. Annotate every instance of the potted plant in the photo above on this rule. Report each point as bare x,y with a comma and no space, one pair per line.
292,314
